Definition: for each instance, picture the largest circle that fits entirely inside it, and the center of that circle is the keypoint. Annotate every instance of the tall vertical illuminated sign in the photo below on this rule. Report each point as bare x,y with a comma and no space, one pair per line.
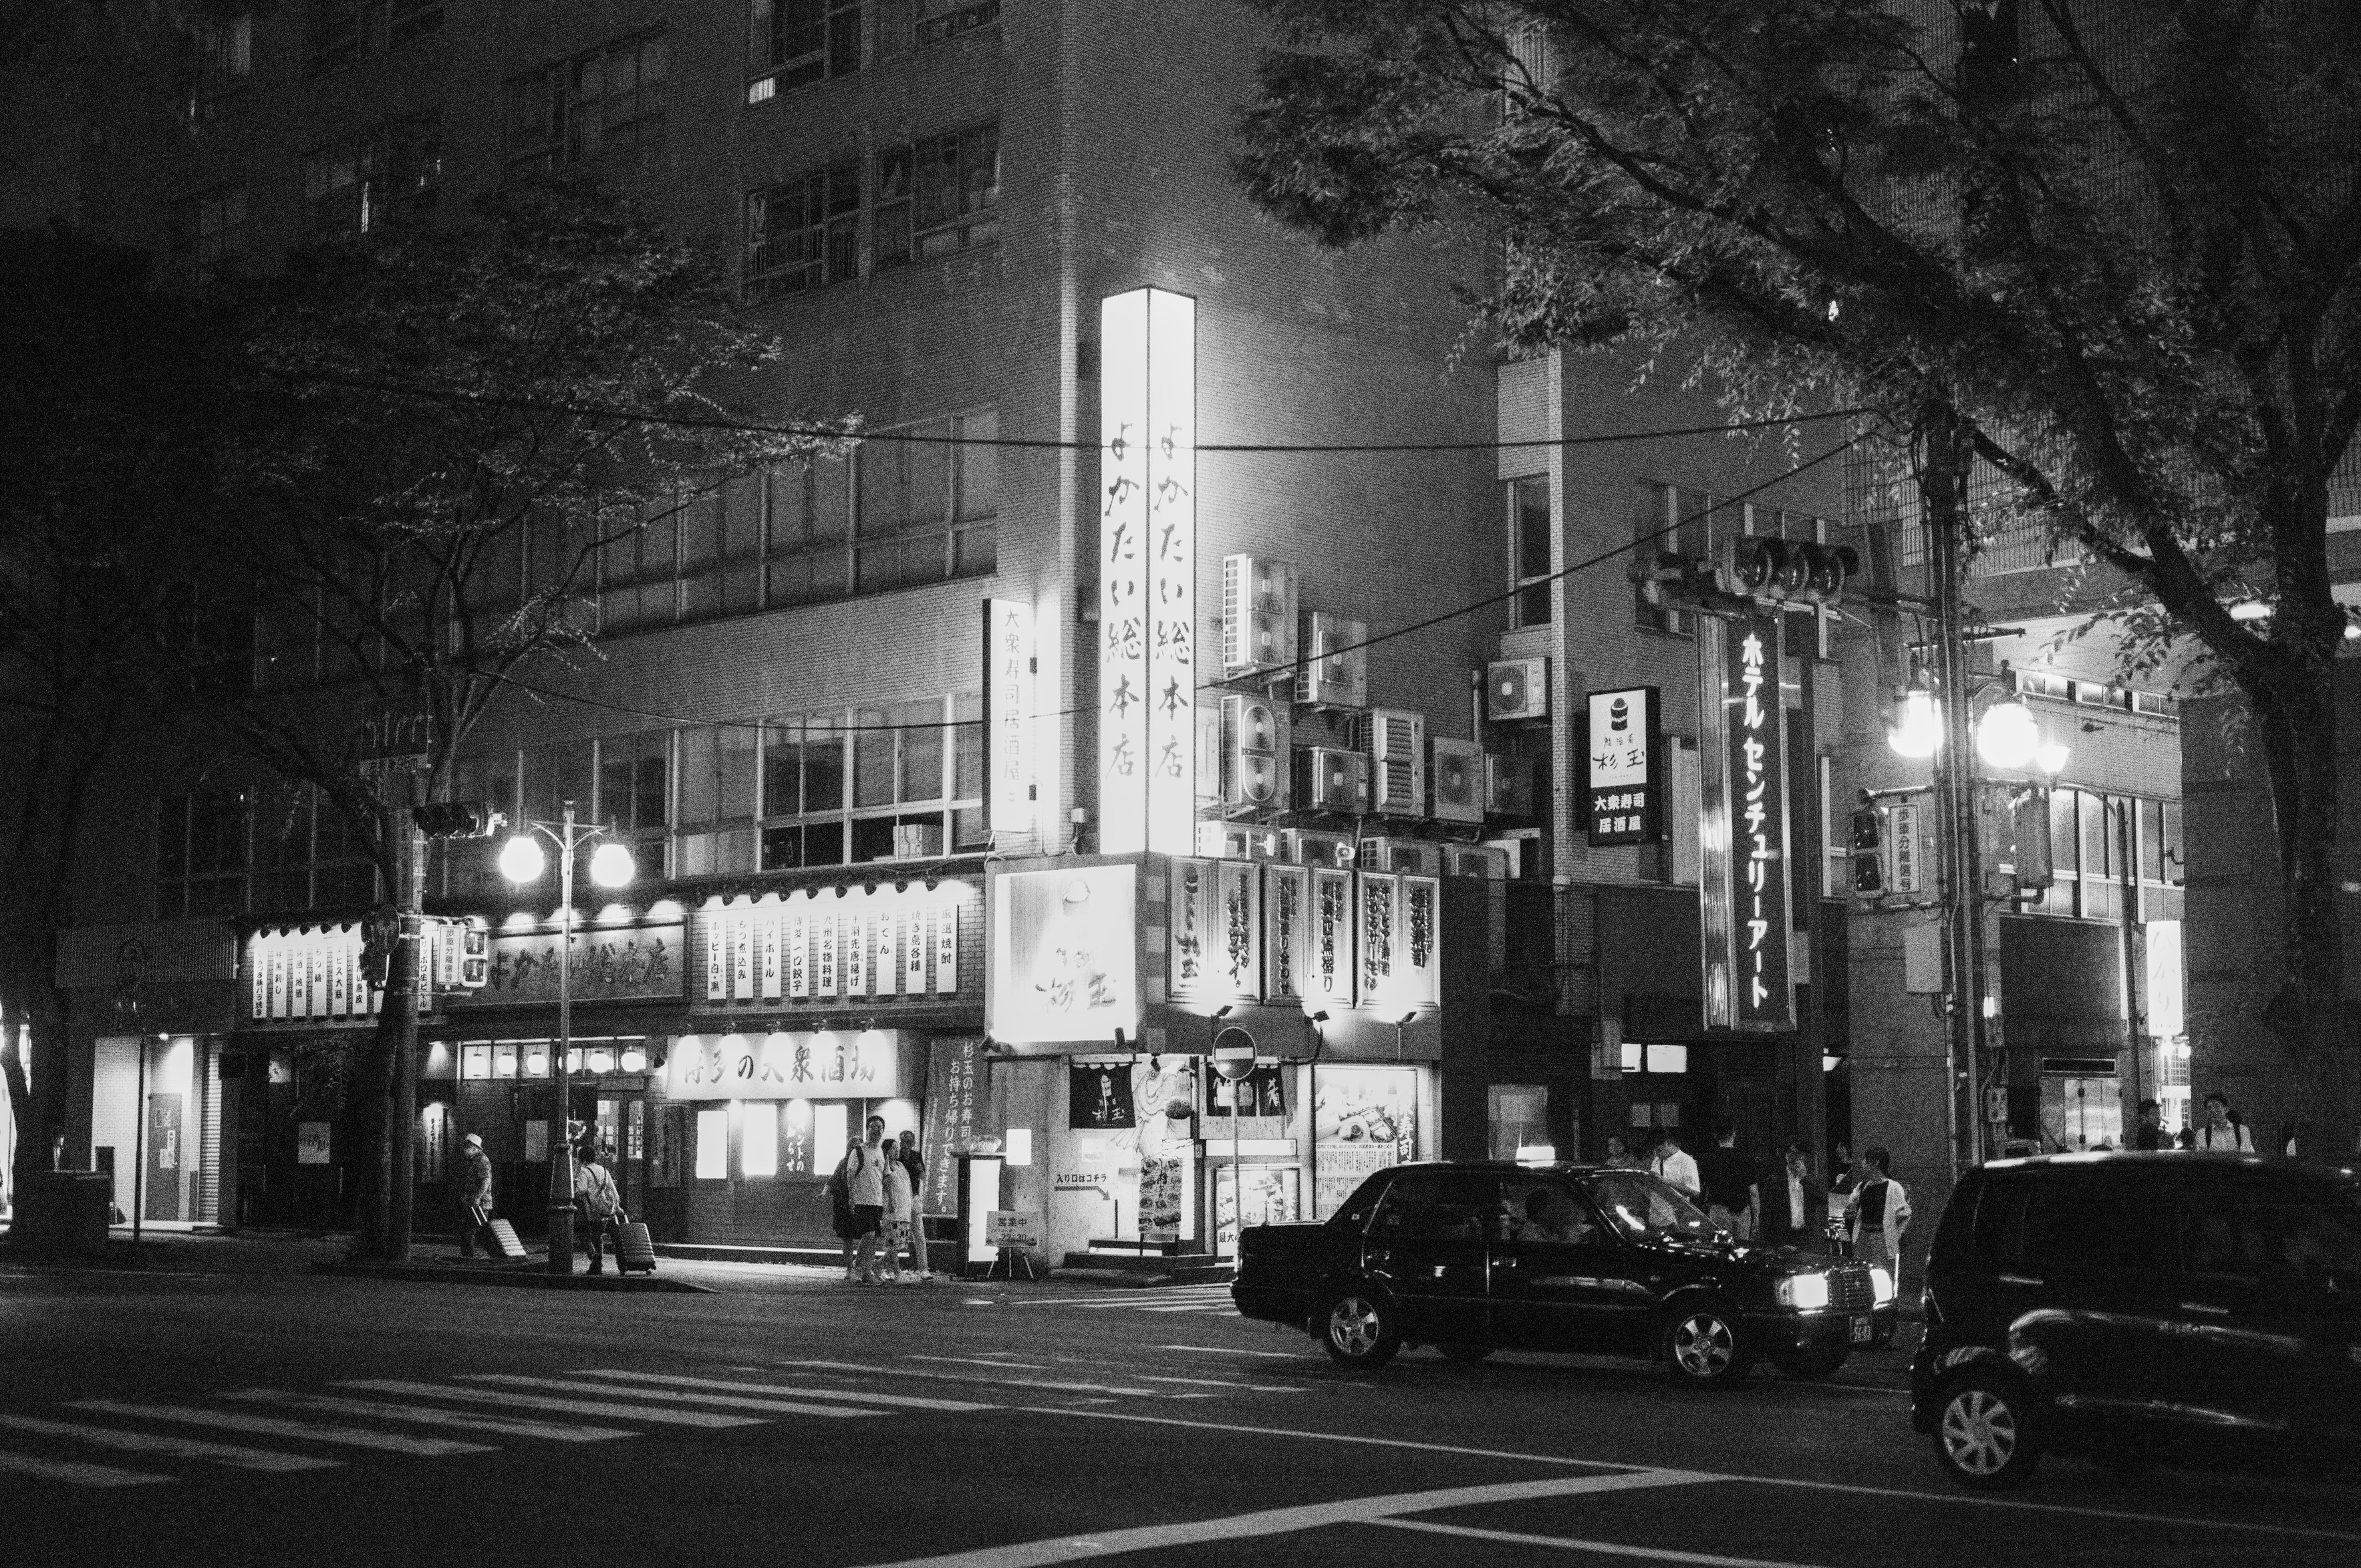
1750,981
1148,572
1009,669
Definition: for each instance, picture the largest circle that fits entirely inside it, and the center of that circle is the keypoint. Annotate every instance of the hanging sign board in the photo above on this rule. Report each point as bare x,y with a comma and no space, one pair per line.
1623,794
1743,829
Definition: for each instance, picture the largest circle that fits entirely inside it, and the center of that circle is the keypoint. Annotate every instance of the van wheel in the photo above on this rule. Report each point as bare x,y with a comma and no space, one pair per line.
1985,1434
1359,1329
1824,1361
1464,1352
1702,1346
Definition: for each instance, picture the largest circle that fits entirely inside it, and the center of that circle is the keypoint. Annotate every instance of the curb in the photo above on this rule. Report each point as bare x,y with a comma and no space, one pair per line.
528,1277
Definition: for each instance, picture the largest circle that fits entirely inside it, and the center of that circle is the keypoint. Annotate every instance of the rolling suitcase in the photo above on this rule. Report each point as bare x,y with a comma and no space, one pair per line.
504,1238
634,1249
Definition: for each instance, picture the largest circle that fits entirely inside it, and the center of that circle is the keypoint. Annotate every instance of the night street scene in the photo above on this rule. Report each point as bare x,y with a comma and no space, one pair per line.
1248,784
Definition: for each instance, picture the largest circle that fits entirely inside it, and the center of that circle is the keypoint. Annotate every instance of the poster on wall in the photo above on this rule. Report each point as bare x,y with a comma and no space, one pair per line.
312,1142
1287,897
1064,959
1418,946
1098,1097
1329,975
1237,958
953,1110
1364,1119
1270,1197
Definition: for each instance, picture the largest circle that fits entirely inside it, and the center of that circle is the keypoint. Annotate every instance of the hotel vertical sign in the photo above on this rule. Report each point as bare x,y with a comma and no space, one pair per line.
1148,572
1743,830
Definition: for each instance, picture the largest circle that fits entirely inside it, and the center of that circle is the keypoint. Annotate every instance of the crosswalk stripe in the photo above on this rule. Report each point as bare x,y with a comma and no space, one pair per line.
457,1421
968,1378
171,1447
74,1472
270,1426
901,1401
671,1397
540,1402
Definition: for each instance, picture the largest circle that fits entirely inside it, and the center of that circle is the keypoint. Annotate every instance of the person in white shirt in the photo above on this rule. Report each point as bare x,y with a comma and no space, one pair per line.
867,1180
1675,1168
1880,1214
601,1207
897,1212
2222,1130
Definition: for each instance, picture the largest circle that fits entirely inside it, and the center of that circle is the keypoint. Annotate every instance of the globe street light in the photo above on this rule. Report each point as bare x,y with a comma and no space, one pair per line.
521,861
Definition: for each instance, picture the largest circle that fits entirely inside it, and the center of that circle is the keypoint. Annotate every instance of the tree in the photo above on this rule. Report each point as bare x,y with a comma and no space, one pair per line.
2119,240
441,429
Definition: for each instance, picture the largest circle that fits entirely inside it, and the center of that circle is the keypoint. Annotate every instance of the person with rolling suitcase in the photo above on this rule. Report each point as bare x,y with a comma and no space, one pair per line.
601,1206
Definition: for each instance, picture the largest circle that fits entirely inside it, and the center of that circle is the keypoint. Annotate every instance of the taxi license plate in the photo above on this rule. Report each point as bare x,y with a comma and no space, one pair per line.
1859,1329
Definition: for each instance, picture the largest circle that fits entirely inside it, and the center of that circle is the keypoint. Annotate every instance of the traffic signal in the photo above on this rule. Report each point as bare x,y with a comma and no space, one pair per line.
1782,571
1869,851
458,819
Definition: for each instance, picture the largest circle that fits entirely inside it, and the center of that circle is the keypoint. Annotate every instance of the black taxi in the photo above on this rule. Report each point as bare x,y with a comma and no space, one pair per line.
1470,1257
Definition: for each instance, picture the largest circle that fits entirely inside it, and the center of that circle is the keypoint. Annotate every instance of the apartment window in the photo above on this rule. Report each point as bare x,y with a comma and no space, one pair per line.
926,505
635,781
897,782
217,65
201,855
792,42
803,794
1528,548
557,772
603,106
361,185
940,20
1669,518
215,239
720,777
808,514
803,233
938,196
721,551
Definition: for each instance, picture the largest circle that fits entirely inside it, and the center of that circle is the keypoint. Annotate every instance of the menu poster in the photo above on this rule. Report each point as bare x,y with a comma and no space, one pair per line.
1099,1097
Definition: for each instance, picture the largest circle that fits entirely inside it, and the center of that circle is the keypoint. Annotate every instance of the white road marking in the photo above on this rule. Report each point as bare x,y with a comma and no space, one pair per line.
172,1447
971,1377
671,1397
1227,1383
980,1361
801,1391
74,1472
1333,1437
1207,1312
1602,1548
270,1426
1233,1350
565,1407
419,1415
1288,1520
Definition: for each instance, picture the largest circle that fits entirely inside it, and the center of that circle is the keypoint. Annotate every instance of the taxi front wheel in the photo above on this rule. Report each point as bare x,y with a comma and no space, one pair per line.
1361,1330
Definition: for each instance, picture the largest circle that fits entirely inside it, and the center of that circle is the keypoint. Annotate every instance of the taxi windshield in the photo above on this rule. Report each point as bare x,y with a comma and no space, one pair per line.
1639,1207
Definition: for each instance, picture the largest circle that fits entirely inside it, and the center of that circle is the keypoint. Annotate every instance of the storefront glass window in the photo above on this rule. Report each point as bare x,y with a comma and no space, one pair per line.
713,1144
758,1140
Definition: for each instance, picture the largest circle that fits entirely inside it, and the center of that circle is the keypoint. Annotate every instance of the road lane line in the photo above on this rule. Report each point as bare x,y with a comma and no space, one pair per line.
1288,1520
270,1426
898,1402
671,1397
172,1447
980,1361
74,1472
564,1407
1043,1383
1334,1437
1233,1350
1227,1383
1602,1548
419,1415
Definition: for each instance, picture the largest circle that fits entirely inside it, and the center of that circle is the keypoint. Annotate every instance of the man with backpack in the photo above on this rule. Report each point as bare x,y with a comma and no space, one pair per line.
865,1184
599,1205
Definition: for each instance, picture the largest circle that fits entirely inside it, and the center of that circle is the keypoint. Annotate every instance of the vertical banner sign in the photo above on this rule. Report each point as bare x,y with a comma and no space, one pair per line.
1147,571
947,950
914,953
741,958
1329,975
717,956
1418,943
1380,907
1192,913
767,930
1285,895
856,944
1008,709
887,966
798,956
1238,965
824,944
1623,800
1743,830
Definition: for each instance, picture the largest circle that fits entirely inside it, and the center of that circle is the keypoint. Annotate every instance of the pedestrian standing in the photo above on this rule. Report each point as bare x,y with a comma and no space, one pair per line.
867,1178
1675,1168
1619,1153
1841,1182
599,1205
2225,1130
917,1165
1733,1196
2150,1133
1881,1215
475,1198
896,1228
1795,1211
840,1196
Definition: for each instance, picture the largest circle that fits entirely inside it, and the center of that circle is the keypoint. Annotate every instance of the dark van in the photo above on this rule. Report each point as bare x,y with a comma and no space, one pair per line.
2136,1306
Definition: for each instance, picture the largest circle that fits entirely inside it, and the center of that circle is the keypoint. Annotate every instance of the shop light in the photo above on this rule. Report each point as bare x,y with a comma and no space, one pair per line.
1918,729
2007,737
1536,1154
635,1060
522,859
610,865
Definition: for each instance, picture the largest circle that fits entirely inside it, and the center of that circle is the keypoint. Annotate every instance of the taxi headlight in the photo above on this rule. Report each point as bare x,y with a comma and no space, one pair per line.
1805,1292
1882,1283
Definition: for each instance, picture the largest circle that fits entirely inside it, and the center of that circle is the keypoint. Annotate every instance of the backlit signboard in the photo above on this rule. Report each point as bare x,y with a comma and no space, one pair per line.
1623,794
1742,826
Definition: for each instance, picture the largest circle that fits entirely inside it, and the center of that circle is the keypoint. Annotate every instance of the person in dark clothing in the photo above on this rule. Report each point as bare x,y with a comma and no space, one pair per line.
475,1200
1732,1193
1795,1212
2150,1133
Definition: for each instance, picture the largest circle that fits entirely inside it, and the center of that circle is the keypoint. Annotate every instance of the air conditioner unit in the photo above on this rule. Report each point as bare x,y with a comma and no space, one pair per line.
1254,753
1336,662
1258,614
1416,856
1396,742
1516,688
1457,786
1508,786
1327,779
1487,860
1222,840
1309,847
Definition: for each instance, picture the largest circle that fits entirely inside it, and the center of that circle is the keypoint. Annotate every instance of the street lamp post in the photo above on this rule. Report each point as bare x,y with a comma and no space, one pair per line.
610,866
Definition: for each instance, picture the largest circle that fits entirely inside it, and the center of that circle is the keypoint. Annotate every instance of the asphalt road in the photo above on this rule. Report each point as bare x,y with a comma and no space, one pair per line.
258,1414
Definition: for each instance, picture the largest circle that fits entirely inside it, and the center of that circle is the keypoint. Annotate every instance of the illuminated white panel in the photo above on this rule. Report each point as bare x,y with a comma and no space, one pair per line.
1123,420
1172,572
831,1120
713,1144
1009,684
758,1139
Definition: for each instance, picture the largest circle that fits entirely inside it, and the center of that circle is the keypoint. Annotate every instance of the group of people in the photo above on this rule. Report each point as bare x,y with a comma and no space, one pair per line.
874,1192
598,1202
1860,1209
2223,1130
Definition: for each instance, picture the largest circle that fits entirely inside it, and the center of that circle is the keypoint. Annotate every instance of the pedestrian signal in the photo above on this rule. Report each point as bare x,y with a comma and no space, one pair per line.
1869,851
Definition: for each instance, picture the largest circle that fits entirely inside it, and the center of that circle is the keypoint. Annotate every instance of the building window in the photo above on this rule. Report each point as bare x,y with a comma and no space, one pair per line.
201,855
1669,519
914,786
215,238
803,794
721,551
606,106
217,65
803,233
792,42
639,571
1528,548
308,855
808,511
635,784
721,776
940,20
2088,856
938,196
926,505
378,177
